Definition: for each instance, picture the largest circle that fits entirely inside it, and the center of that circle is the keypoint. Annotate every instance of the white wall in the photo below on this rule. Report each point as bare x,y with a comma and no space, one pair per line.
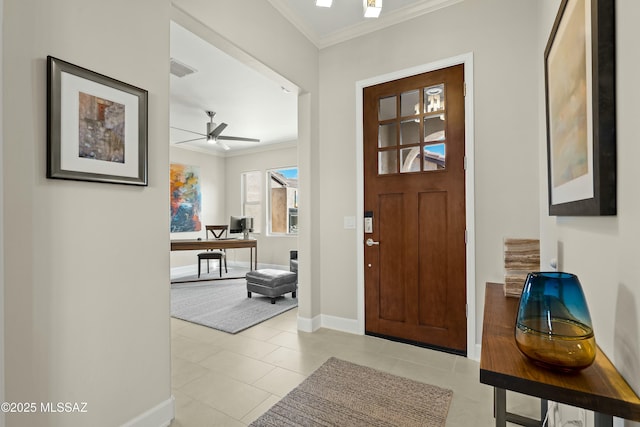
86,275
272,250
502,36
212,189
603,251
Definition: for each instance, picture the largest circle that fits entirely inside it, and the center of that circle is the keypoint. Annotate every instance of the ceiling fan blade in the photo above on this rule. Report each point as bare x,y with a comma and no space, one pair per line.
187,130
238,138
223,145
188,140
214,134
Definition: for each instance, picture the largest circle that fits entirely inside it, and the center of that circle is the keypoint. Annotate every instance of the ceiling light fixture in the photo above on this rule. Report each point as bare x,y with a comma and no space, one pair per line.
324,3
372,8
216,141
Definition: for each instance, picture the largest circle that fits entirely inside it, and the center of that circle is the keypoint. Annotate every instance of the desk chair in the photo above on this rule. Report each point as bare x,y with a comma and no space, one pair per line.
218,232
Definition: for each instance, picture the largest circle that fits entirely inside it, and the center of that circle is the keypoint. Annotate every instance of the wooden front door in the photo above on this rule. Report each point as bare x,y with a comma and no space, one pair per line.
414,177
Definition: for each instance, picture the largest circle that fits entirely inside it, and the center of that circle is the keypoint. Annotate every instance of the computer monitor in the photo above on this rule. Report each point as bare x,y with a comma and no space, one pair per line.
241,224
235,224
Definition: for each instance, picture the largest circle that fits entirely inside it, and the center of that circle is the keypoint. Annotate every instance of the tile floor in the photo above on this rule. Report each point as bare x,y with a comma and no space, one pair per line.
220,379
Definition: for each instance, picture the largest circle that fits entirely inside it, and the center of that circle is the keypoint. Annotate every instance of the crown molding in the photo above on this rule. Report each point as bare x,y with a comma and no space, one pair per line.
261,149
238,152
362,28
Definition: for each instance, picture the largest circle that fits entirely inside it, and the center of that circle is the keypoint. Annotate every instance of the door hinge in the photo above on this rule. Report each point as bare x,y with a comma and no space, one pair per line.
464,89
465,162
465,237
466,310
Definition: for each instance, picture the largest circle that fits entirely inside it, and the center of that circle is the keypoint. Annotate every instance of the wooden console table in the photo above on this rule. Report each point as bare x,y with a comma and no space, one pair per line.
203,245
599,388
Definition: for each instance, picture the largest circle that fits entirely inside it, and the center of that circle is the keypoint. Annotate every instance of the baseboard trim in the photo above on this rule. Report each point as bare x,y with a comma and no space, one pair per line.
306,324
342,324
159,416
476,356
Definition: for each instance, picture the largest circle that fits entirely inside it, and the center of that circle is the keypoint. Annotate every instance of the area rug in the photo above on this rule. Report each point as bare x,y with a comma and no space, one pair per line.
223,305
341,393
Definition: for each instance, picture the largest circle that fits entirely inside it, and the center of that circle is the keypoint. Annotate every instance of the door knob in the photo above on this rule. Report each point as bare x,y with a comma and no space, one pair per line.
371,242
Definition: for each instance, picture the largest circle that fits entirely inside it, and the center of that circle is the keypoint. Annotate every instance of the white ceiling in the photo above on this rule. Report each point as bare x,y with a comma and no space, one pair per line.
252,104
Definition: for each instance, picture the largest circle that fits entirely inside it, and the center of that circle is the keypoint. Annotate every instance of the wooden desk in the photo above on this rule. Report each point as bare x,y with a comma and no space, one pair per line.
599,388
202,245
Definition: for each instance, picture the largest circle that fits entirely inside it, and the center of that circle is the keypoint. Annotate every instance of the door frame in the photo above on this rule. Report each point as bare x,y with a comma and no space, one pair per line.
467,60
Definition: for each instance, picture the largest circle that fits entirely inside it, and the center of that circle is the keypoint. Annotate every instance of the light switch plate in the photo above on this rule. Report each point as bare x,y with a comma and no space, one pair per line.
349,222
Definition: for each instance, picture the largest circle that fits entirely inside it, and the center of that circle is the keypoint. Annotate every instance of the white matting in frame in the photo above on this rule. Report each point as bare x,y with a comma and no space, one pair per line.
71,86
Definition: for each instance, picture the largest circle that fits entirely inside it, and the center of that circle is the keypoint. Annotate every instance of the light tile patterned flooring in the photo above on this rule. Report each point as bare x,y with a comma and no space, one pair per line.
220,379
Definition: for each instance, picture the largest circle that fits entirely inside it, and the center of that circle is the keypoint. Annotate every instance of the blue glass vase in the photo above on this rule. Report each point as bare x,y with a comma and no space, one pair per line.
553,326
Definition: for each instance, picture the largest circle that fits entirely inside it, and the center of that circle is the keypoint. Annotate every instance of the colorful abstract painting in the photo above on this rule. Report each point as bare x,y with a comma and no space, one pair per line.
186,199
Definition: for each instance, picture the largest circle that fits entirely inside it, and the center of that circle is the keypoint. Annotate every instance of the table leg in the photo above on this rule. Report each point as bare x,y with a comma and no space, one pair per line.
602,420
502,416
500,406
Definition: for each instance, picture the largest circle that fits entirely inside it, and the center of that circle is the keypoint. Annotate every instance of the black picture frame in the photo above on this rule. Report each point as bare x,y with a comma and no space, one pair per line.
581,116
97,127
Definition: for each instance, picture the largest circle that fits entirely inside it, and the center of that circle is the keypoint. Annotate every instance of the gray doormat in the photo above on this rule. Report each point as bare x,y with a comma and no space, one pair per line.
223,305
341,393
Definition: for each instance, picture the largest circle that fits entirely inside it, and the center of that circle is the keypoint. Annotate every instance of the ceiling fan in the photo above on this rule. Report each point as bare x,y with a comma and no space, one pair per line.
213,134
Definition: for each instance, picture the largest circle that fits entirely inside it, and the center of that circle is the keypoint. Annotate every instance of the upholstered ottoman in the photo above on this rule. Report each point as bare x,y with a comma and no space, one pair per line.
272,283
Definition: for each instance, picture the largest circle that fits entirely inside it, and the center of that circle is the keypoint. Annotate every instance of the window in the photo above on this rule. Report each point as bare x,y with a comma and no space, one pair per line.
415,139
252,198
283,200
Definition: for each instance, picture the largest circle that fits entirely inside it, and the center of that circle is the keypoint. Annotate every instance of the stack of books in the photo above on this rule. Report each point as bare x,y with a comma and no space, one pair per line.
521,256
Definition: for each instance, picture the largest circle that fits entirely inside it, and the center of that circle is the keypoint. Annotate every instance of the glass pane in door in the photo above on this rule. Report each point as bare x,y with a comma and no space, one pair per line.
387,109
410,132
434,157
410,103
434,98
434,129
410,159
387,162
387,136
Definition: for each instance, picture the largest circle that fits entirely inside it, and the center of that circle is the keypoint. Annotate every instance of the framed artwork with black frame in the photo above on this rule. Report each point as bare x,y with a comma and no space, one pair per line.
580,106
97,126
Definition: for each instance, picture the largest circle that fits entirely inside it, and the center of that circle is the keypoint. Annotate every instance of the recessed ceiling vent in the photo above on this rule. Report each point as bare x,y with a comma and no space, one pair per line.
179,69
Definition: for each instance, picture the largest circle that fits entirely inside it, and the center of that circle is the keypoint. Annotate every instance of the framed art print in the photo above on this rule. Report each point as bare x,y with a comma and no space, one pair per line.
580,104
97,126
